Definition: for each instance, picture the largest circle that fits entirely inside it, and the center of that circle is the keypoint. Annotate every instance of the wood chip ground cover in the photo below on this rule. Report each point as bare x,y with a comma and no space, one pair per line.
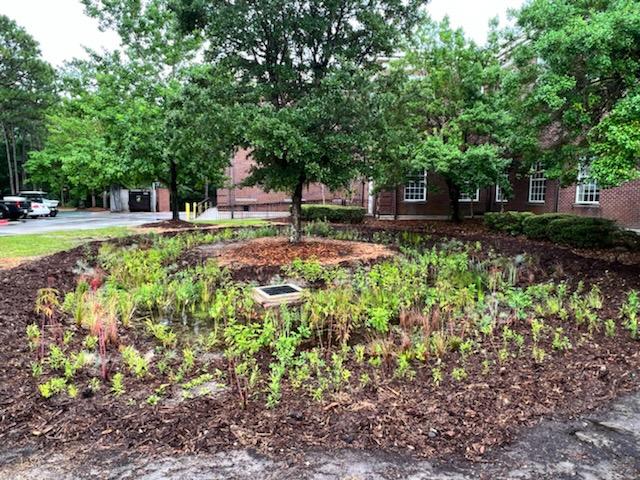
409,414
278,251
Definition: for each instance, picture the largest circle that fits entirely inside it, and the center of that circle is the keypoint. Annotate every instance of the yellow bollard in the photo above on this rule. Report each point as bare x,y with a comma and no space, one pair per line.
194,210
186,208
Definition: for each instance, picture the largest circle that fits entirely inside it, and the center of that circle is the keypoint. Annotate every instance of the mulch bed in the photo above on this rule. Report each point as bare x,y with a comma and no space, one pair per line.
414,417
278,251
475,230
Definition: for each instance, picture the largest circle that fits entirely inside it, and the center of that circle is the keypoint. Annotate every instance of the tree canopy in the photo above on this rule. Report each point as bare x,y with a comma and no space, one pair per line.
26,89
578,82
138,116
303,73
454,113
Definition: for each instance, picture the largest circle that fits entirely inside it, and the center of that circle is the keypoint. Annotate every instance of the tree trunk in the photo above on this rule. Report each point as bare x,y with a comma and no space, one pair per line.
296,213
93,199
173,191
10,168
23,160
454,199
16,171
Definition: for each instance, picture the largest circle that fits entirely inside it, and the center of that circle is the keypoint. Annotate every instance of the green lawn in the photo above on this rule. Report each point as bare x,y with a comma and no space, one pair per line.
18,246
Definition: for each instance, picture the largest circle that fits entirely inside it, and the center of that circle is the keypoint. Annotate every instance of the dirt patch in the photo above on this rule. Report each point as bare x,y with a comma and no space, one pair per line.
474,229
268,252
441,227
8,263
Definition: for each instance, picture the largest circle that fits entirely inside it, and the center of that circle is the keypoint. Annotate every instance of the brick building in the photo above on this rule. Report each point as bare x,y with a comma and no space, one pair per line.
253,199
426,196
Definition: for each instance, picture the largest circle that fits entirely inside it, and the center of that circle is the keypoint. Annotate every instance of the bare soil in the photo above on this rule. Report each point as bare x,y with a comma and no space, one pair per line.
408,417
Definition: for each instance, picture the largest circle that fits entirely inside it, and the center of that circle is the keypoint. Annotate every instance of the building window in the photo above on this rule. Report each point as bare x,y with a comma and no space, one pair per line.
537,185
500,198
415,190
587,190
466,197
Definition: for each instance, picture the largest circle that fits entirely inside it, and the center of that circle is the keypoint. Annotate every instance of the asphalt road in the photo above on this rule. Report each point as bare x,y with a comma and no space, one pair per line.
80,220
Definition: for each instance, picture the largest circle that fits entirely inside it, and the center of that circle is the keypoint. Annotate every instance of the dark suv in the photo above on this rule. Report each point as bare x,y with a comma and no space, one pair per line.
16,207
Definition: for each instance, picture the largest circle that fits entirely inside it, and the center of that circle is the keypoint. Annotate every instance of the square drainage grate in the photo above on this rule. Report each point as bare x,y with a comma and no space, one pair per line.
279,290
269,295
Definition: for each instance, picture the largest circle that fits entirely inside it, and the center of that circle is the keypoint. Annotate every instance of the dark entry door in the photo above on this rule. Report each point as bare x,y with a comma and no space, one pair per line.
139,201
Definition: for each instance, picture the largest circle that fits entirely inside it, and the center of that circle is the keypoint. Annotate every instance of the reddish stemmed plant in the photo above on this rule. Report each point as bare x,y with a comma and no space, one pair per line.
106,329
48,307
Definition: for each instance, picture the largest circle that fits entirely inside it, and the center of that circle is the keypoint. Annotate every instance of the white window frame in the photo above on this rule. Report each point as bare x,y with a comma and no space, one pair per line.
537,183
464,198
586,188
413,187
500,198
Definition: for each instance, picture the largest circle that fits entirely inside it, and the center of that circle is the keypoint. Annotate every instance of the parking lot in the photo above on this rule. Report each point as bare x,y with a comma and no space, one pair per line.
80,220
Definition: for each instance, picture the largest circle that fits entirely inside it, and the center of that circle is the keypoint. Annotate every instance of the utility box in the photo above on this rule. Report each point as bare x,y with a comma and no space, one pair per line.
139,201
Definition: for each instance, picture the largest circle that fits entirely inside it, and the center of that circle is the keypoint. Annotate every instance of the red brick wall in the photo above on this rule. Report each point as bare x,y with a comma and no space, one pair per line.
257,199
436,204
519,200
163,200
621,204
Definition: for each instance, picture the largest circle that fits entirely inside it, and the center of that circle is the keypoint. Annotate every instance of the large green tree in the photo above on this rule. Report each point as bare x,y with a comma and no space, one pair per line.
303,71
26,89
451,115
106,131
577,88
139,115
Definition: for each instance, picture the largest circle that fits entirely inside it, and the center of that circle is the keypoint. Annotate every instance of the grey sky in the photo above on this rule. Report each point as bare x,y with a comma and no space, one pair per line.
62,29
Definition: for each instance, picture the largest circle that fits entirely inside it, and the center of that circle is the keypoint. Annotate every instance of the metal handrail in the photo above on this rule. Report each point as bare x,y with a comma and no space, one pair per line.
202,206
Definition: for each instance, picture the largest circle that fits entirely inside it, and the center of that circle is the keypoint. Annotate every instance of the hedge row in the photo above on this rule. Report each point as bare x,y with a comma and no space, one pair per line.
510,222
333,213
562,228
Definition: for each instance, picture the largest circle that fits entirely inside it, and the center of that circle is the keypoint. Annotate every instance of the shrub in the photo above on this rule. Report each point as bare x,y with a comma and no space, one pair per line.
582,231
627,239
333,213
510,222
535,226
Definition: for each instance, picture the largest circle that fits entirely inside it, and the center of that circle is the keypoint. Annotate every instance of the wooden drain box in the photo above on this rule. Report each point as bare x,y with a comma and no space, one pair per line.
272,295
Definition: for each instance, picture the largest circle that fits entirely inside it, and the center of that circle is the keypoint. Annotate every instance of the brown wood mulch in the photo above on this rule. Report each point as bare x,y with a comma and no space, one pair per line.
465,418
274,251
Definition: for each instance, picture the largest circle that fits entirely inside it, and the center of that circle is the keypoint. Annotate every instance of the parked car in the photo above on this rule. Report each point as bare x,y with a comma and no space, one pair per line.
39,210
4,212
10,211
39,196
18,206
